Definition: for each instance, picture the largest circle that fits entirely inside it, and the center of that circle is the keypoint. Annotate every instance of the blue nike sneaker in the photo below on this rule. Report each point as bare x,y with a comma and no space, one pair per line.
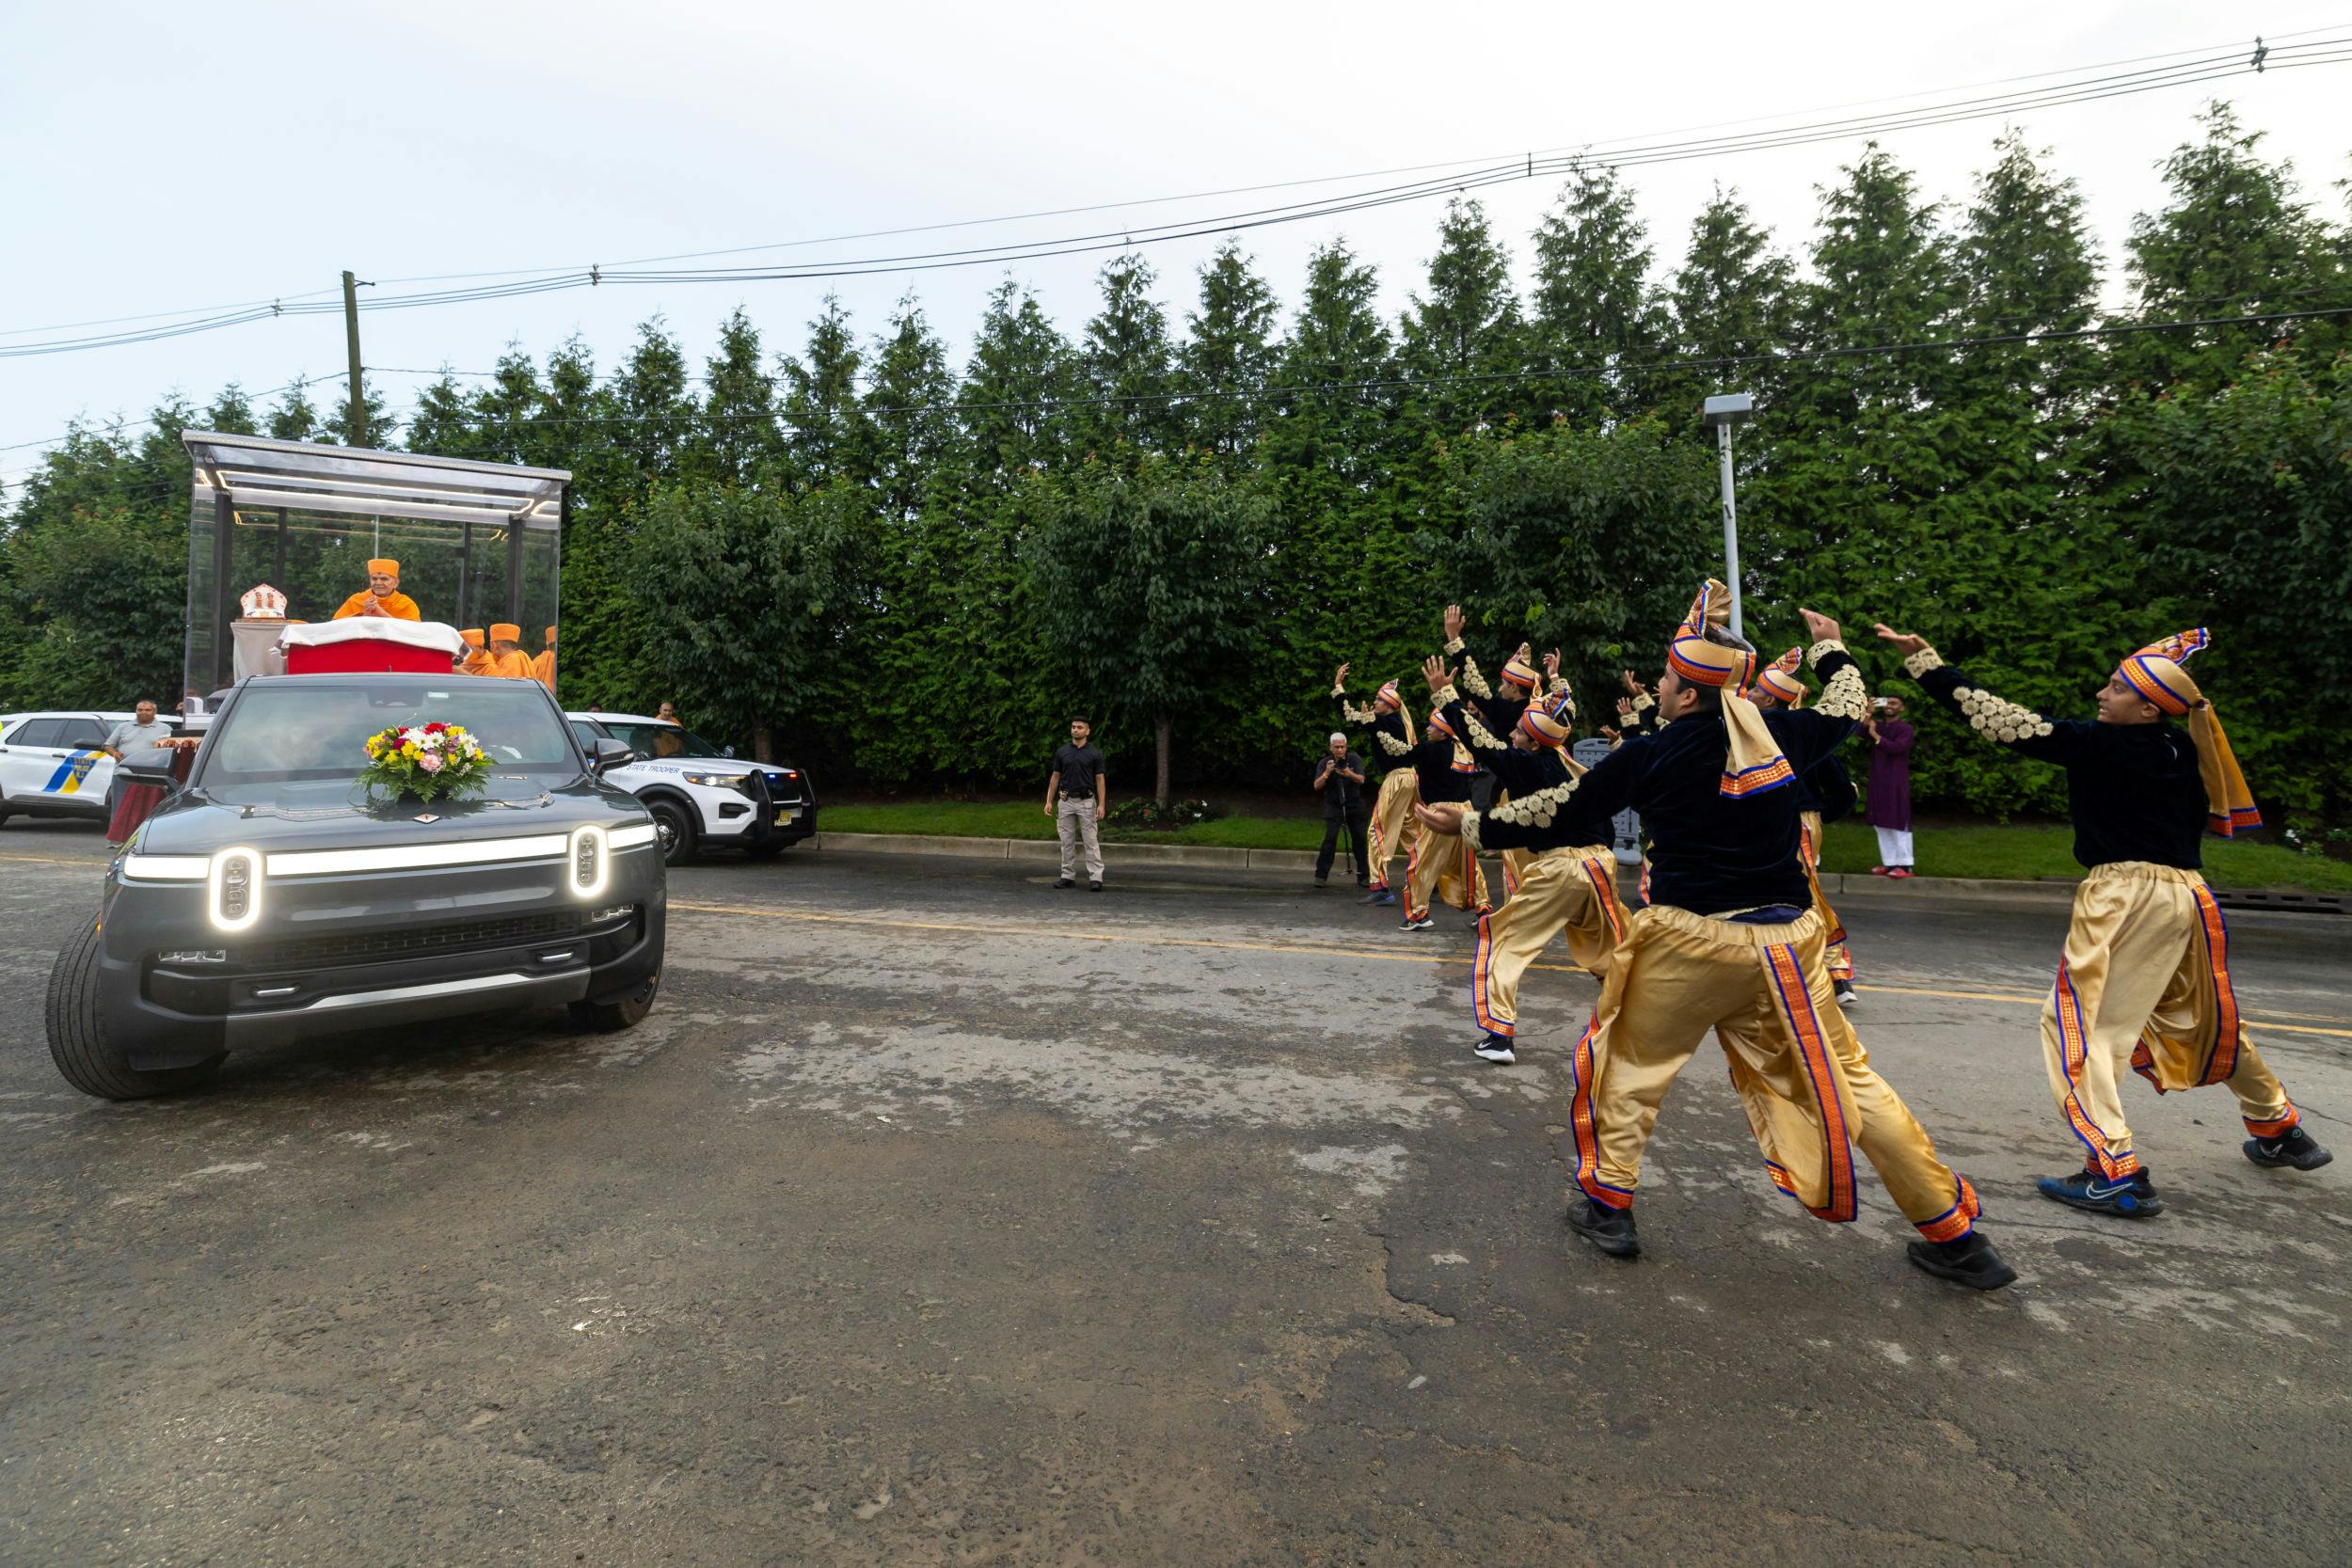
2131,1198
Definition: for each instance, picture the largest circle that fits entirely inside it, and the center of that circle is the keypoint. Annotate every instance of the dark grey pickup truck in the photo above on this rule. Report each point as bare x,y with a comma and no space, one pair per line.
269,900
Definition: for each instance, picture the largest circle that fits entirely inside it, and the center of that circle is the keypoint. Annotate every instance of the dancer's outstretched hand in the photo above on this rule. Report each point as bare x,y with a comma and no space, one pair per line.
1341,679
1608,735
1819,627
1444,819
1905,643
1432,669
1633,687
1453,622
1551,663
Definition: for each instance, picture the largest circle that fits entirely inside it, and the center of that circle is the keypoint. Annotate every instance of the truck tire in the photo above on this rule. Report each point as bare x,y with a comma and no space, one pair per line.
79,1046
610,1018
674,828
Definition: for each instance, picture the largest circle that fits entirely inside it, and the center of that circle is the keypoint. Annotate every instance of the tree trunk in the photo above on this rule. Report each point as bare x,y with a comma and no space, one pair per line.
1166,726
763,741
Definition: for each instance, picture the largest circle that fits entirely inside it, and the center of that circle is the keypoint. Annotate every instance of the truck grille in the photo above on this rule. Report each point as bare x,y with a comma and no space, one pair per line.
406,941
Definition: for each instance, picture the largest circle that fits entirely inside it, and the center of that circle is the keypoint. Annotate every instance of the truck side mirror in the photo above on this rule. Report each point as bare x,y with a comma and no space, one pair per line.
606,755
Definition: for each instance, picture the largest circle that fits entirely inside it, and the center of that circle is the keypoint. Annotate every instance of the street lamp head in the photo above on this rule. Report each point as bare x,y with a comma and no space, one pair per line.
1730,408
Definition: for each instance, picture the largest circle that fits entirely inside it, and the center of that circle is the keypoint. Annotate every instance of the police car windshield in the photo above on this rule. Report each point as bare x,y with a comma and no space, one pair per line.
302,729
657,742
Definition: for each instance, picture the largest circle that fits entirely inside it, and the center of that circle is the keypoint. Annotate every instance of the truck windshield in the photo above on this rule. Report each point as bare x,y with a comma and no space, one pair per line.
300,728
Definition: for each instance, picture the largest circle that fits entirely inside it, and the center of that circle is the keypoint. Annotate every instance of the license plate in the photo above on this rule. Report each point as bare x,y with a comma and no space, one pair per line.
784,818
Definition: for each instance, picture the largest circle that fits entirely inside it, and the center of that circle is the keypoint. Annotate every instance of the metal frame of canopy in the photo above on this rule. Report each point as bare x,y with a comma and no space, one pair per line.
411,496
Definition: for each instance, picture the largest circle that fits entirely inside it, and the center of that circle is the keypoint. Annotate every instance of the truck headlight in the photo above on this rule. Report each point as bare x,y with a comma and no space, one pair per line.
590,863
233,885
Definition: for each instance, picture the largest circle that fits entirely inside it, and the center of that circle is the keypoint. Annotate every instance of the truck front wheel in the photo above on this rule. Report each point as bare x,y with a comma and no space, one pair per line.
78,1043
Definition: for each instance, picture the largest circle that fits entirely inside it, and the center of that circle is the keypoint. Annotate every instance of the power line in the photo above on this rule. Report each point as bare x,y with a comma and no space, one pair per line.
2190,67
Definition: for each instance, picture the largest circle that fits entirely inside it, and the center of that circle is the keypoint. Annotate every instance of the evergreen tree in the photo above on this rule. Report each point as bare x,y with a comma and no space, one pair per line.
294,417
1020,374
1126,367
1594,308
648,411
2235,240
232,413
826,433
739,439
908,409
1228,360
1463,336
1732,300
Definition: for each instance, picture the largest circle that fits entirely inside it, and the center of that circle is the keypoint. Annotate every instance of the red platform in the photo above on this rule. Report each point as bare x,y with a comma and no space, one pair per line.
365,655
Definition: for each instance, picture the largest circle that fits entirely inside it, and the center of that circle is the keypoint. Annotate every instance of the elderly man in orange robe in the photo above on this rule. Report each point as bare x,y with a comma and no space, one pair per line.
382,595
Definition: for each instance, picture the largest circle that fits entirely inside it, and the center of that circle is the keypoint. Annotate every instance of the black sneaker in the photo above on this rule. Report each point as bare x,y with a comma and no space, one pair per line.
1065,882
2131,1198
1094,887
2292,1148
1969,1262
1494,1048
1380,895
1423,924
1610,1229
1845,994
1322,883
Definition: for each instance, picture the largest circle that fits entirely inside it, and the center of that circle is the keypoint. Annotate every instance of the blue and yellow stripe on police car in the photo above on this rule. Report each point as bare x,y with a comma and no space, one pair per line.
68,779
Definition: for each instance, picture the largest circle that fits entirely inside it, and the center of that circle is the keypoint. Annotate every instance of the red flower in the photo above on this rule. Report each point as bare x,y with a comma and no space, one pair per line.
435,728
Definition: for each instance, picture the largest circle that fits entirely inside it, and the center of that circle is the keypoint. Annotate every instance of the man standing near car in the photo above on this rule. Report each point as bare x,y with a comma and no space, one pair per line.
1077,797
1340,779
134,801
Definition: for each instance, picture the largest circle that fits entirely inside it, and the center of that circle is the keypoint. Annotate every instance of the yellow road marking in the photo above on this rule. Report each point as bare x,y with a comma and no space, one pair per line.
1322,950
53,860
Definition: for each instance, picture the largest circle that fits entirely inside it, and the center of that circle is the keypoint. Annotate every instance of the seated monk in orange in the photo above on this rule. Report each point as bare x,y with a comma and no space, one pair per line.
382,595
476,662
507,658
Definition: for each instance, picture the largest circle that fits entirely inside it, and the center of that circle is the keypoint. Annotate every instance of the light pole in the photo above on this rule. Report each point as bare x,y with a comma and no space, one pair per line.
1722,413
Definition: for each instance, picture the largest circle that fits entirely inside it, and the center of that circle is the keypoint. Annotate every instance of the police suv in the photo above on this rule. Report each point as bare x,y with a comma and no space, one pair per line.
699,795
51,764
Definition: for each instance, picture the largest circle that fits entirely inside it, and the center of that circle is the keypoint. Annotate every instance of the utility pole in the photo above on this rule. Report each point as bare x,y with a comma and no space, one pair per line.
357,424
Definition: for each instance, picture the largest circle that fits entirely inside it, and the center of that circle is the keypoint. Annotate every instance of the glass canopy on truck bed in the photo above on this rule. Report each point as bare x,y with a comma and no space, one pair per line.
477,543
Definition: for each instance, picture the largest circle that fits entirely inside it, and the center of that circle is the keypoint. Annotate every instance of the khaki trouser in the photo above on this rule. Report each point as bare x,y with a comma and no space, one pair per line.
1570,890
2146,981
1839,957
1448,865
1071,819
1394,828
1809,1088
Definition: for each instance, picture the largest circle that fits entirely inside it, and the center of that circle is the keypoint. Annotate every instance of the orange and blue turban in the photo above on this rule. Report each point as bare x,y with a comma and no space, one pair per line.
1780,677
1754,764
2157,674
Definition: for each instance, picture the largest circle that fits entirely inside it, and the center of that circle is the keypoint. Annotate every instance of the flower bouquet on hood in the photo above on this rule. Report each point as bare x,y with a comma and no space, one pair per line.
428,761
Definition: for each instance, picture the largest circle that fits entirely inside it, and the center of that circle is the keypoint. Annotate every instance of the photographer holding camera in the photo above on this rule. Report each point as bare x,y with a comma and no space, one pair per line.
1340,778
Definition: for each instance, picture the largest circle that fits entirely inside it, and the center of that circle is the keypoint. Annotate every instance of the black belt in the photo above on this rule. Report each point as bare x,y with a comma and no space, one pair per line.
1068,795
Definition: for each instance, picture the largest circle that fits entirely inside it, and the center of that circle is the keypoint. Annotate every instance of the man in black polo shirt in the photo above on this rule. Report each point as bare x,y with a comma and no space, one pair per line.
1730,942
1077,798
2145,978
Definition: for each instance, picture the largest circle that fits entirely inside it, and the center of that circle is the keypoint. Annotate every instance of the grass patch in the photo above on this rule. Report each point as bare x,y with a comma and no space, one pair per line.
1027,819
2021,852
2032,851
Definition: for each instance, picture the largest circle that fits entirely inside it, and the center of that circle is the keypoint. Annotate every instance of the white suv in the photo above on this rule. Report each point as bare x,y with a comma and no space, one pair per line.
51,764
699,795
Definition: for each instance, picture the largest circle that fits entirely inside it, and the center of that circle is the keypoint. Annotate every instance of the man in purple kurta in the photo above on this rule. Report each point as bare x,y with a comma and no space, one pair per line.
1890,786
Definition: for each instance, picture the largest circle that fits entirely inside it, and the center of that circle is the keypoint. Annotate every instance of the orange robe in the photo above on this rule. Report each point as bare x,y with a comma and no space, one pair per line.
477,662
399,606
513,666
543,668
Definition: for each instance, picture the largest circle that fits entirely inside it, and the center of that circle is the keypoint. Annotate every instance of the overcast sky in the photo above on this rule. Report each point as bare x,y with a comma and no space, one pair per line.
161,158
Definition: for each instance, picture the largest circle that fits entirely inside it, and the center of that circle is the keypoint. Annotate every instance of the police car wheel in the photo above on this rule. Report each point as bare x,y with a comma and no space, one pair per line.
609,1018
77,1043
674,831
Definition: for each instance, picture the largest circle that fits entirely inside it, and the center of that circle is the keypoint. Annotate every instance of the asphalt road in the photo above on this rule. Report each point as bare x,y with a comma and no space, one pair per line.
935,1216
